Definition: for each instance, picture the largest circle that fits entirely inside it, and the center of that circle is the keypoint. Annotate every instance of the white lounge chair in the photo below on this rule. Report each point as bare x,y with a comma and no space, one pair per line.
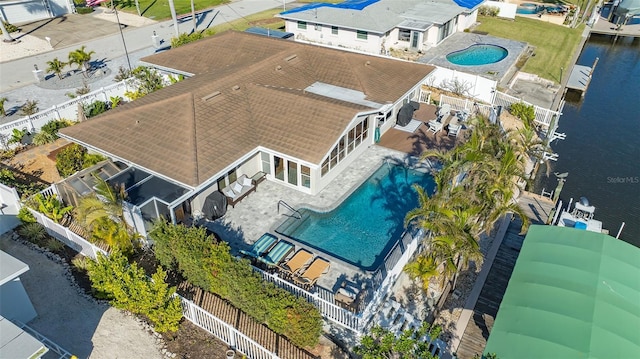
454,129
434,126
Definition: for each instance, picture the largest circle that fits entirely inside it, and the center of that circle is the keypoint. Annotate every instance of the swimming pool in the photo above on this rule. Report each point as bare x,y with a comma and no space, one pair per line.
479,54
530,9
365,226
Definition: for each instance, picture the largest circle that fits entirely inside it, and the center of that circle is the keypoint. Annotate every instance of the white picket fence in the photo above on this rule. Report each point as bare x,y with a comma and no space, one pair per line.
225,332
67,110
66,236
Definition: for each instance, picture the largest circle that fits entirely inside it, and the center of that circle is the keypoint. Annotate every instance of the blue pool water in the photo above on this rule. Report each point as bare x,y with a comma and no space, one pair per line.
363,228
530,9
475,55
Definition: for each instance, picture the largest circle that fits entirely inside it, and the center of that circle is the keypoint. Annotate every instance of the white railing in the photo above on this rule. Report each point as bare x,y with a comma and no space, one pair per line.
68,110
390,278
543,116
225,332
462,104
328,309
66,236
50,344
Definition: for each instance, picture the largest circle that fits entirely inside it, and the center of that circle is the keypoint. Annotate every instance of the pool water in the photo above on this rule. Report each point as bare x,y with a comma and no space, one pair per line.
366,225
475,55
530,9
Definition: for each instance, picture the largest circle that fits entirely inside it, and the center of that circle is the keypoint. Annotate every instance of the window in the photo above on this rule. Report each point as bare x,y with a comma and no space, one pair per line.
302,25
361,35
334,30
266,162
292,169
354,137
404,35
278,165
232,176
317,27
305,176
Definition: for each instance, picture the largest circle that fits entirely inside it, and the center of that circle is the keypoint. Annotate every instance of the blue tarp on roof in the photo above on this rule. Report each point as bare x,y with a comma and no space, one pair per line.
347,4
270,33
469,4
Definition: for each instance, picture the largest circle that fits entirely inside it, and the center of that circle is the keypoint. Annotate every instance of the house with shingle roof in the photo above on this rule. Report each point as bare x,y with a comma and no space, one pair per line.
377,26
292,113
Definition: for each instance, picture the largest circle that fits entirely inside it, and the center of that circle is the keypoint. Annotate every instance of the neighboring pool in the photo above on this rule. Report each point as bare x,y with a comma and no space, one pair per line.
365,226
530,9
475,55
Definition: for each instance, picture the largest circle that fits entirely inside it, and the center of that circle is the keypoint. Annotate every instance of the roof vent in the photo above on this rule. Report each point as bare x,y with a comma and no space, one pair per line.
289,58
367,63
236,88
210,96
278,68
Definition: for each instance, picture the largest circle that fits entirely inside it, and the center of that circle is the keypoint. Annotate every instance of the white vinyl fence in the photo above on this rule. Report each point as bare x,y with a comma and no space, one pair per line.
9,208
475,86
67,110
225,332
543,117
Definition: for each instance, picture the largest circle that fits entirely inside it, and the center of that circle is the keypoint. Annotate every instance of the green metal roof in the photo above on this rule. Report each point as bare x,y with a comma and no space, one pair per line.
572,294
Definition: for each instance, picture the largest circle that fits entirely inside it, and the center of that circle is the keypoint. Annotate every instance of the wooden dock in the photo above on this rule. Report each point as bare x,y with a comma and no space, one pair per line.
476,333
536,207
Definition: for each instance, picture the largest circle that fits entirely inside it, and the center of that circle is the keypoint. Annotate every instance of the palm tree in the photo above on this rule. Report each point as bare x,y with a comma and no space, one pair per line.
106,202
81,58
56,66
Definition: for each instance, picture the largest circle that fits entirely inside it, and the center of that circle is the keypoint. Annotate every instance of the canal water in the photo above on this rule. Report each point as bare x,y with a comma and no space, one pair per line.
602,150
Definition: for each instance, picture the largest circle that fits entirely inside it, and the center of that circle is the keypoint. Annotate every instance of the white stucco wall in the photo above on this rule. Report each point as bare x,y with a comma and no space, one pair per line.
345,38
507,11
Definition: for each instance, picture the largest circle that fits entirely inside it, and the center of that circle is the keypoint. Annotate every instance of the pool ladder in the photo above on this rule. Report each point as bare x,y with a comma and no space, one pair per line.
287,206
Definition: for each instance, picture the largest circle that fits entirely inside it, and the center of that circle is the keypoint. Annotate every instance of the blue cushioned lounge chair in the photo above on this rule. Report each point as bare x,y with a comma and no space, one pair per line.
277,253
261,246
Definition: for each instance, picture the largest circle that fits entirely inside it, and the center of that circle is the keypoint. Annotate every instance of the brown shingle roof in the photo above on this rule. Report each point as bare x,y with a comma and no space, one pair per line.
248,92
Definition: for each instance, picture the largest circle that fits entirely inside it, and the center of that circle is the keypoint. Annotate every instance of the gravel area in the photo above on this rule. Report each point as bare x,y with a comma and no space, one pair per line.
72,319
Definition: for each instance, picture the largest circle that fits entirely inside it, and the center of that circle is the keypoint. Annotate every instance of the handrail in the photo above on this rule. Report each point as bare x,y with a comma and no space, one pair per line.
287,206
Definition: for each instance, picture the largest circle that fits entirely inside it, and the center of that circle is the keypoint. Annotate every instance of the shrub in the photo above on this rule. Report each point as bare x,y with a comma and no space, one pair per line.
211,266
128,288
185,38
70,160
33,232
95,108
54,245
49,132
25,215
525,113
84,10
81,263
486,10
51,206
10,27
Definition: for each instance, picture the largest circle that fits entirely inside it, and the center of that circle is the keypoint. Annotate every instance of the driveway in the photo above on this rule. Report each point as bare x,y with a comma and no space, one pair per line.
69,318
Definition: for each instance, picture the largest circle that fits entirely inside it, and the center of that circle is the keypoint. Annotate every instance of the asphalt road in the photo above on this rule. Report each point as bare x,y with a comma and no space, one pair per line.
19,73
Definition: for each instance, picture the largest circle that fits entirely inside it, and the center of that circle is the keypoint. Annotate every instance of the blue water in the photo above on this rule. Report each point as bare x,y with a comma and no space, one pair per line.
475,55
530,9
602,148
363,228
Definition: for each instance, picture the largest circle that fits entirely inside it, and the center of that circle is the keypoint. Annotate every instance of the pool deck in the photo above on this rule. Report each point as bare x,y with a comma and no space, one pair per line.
258,213
461,40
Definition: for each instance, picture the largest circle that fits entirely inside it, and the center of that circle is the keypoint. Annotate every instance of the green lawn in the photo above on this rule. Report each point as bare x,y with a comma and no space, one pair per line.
554,44
159,9
264,19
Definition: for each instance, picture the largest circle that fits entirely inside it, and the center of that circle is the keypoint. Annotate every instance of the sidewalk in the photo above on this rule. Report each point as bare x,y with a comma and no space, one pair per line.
109,46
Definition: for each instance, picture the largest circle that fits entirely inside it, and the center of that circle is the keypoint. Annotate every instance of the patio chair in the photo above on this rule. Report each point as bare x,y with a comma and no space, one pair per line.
297,262
315,270
261,246
276,254
454,129
435,126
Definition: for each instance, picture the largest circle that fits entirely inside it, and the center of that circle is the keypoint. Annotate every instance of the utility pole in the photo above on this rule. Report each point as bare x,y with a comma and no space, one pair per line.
172,8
